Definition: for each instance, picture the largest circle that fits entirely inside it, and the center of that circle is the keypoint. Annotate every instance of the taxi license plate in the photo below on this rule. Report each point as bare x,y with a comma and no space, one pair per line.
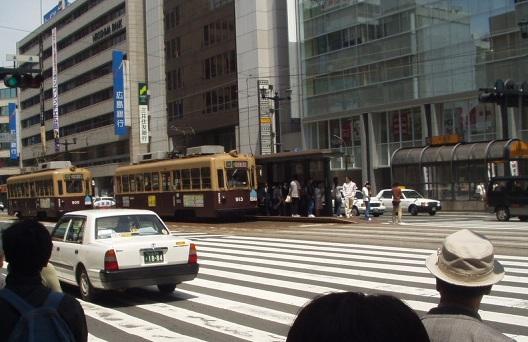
153,257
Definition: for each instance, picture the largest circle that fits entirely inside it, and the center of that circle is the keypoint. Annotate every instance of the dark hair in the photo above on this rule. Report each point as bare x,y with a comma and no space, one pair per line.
458,291
351,316
27,246
395,184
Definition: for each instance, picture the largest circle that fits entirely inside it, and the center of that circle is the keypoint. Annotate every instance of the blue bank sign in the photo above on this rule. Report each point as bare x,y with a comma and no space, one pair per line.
55,10
118,71
13,149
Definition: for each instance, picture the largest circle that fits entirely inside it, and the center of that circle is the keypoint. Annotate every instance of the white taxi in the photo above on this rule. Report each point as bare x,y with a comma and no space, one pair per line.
120,248
411,201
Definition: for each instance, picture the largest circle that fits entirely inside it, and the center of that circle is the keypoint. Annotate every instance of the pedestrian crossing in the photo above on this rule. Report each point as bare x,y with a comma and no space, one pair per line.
251,288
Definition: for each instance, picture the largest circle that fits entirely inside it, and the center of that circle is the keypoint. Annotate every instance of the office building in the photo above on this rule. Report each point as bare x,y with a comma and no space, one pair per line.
8,166
381,75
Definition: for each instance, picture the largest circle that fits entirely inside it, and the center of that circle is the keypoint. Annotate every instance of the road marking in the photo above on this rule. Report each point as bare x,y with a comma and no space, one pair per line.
132,325
92,338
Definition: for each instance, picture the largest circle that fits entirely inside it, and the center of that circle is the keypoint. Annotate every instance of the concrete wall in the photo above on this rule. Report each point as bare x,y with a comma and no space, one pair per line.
262,53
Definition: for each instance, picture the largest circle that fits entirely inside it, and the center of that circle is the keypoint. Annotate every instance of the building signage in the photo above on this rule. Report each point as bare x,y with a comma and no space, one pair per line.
55,10
13,150
118,70
143,114
55,89
106,31
265,120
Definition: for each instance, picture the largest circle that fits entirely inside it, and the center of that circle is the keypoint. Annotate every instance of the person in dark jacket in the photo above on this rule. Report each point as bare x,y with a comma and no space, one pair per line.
27,248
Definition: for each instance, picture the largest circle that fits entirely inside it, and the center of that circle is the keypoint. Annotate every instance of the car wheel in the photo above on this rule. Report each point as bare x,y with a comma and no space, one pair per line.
413,210
355,211
503,214
88,292
432,212
523,218
166,288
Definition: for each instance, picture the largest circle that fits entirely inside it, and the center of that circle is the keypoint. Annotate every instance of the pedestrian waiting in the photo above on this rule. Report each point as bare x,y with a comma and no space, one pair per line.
29,310
366,200
465,269
396,201
352,316
349,194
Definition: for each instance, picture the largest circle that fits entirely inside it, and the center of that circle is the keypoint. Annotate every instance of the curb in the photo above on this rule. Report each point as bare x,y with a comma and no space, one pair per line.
324,219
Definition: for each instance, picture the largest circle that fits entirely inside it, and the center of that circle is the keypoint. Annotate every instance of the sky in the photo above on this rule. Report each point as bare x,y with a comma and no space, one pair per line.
17,19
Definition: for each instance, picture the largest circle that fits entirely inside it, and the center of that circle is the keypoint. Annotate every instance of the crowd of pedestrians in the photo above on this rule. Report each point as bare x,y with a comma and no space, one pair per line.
308,199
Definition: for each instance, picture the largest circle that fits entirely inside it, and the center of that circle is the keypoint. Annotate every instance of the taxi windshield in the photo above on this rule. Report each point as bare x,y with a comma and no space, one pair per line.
128,226
411,194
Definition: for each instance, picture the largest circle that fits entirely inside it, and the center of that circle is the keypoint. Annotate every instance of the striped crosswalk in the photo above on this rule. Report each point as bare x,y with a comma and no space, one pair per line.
250,289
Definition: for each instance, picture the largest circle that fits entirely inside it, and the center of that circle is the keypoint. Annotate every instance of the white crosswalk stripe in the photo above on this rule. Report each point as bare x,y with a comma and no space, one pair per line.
250,288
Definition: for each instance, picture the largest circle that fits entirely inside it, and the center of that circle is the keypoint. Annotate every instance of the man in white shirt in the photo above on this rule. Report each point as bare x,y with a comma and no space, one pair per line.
294,193
349,194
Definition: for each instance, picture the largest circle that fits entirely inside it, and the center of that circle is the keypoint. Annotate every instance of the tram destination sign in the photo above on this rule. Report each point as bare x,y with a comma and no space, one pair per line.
232,164
73,176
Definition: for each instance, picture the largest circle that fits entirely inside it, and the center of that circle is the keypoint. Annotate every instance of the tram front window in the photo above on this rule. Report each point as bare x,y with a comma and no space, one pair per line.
237,178
74,186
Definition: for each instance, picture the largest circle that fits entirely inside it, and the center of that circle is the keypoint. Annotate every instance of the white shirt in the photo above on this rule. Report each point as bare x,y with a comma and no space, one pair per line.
294,189
366,194
349,189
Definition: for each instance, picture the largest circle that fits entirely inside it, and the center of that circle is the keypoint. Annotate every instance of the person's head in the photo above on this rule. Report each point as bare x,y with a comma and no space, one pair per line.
465,268
347,179
395,184
295,177
367,185
27,247
351,316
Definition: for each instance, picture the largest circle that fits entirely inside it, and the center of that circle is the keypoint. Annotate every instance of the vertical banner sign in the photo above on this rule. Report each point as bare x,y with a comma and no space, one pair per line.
265,120
143,114
13,150
118,71
55,87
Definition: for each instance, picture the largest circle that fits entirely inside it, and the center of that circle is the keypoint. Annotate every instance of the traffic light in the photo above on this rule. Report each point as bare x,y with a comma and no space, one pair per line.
488,98
13,78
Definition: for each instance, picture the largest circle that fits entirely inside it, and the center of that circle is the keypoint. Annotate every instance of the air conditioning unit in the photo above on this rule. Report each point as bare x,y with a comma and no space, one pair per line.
151,156
206,149
53,165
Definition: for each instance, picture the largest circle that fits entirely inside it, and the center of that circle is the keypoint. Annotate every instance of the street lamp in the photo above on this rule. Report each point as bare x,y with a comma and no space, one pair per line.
343,143
276,99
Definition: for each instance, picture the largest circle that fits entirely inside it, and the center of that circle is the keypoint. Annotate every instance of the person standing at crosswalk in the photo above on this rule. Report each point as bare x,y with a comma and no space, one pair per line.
396,207
349,194
366,200
465,270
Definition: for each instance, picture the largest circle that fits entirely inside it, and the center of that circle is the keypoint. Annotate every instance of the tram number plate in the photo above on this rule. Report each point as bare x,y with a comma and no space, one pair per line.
239,199
153,257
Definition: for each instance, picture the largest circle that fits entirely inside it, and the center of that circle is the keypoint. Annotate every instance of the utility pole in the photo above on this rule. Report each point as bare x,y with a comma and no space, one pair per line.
276,101
67,143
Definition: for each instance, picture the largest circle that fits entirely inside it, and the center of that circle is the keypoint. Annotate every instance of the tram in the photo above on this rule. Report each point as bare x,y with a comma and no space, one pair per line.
53,189
201,185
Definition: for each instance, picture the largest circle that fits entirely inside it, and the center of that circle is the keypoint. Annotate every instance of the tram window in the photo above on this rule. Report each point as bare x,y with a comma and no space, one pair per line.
155,181
148,183
186,179
220,174
195,178
165,181
59,185
124,180
176,178
206,177
132,181
139,182
237,178
74,186
25,189
32,190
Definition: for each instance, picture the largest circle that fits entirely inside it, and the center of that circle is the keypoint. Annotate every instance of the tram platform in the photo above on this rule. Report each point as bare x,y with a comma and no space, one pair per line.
304,219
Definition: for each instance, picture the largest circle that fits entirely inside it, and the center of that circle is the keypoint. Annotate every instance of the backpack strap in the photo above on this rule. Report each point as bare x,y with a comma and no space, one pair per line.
53,300
16,301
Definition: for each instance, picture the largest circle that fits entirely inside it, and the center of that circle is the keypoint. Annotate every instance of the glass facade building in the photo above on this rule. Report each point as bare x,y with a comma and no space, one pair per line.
379,75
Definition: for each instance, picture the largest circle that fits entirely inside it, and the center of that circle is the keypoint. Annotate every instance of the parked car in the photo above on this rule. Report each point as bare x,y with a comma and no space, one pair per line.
104,202
119,249
508,197
411,201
